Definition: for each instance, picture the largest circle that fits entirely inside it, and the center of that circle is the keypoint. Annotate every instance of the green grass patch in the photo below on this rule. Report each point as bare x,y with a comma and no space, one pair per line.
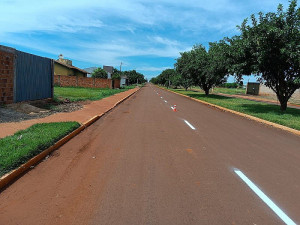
80,94
230,91
272,113
25,144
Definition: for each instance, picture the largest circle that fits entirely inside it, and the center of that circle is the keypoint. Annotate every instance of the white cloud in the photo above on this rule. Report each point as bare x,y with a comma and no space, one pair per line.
110,31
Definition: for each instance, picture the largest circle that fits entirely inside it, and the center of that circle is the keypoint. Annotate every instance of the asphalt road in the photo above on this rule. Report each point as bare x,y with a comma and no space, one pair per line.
143,163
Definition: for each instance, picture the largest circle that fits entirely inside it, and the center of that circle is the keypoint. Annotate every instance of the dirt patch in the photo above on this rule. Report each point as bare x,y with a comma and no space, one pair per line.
87,112
35,109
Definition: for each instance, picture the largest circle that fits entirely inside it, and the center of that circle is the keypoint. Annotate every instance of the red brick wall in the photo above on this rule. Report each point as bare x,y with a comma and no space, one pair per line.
103,83
6,77
73,81
86,82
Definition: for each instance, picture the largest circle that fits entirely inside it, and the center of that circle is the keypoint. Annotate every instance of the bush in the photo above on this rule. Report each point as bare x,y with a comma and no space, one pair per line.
229,85
99,73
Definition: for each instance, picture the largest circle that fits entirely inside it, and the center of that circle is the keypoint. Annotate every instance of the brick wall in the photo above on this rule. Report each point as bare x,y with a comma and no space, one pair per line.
103,83
67,81
6,76
86,82
74,81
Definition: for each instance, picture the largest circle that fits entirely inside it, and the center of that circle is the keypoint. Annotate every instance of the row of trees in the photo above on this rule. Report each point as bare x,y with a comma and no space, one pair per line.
267,47
132,75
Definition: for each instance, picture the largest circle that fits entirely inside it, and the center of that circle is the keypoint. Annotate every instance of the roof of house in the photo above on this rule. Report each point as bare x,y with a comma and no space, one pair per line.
71,67
108,69
90,69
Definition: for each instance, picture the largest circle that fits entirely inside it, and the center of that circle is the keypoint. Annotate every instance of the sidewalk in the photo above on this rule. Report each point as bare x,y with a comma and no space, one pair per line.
88,111
258,99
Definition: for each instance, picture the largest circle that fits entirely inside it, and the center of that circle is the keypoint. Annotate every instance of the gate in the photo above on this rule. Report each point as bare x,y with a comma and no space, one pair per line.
33,77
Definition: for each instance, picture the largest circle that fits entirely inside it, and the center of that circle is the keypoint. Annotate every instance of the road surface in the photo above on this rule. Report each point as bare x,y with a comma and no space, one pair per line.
143,163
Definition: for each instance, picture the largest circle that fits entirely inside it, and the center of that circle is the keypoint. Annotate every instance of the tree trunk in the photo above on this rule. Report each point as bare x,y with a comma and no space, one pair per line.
283,102
206,90
283,105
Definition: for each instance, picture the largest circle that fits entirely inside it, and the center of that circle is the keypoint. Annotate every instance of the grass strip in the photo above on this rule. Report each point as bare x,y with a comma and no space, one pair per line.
75,94
269,112
230,91
220,90
17,149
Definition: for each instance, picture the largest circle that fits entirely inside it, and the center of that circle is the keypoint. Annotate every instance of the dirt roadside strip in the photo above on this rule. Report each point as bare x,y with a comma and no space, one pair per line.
13,175
291,130
290,105
87,112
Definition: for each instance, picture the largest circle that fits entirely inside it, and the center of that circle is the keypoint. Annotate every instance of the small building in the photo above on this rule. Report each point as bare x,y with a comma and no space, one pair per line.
109,70
90,70
64,67
253,88
124,81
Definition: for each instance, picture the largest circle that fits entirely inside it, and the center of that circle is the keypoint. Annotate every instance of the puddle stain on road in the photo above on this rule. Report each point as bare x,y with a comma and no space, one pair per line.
189,150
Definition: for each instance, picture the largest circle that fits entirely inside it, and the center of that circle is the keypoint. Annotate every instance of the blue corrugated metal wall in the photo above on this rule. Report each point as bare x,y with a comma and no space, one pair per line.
34,77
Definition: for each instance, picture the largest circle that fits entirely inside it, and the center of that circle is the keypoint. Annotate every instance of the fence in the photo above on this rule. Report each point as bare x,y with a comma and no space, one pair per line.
88,82
24,76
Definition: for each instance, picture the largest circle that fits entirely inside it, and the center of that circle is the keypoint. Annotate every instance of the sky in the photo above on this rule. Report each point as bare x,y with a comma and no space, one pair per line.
145,35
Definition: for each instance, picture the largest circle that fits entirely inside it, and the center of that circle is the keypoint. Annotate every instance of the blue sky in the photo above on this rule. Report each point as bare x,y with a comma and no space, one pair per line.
145,35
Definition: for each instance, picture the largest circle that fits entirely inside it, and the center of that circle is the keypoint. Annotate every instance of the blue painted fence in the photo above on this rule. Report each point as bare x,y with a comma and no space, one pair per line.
33,77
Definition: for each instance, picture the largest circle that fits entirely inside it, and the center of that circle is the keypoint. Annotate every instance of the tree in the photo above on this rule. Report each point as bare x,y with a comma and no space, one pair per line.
269,48
204,68
167,76
134,77
99,73
116,74
154,80
183,67
217,69
176,80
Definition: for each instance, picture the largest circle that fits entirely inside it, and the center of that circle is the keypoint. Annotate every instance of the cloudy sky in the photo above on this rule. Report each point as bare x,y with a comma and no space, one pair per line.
145,35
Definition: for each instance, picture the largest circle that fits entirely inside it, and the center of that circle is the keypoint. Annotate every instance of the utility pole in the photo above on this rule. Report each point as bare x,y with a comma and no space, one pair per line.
121,67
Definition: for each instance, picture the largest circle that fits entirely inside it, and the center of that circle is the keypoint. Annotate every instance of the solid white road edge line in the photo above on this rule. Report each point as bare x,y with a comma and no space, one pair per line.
265,198
190,125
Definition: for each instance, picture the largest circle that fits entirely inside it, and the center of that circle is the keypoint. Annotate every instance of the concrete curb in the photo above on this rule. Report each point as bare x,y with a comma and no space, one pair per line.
16,173
278,126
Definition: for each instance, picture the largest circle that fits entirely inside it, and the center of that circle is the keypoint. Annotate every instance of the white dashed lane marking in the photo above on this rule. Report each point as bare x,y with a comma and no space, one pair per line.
265,198
190,125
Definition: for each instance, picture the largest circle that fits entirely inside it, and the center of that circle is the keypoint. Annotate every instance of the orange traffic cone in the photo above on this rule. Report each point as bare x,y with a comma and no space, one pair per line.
174,108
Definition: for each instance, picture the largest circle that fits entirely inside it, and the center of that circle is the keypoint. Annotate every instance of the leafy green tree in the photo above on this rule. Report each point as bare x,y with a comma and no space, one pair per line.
216,70
183,66
99,73
116,74
154,80
167,76
204,68
176,80
161,79
134,77
269,48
